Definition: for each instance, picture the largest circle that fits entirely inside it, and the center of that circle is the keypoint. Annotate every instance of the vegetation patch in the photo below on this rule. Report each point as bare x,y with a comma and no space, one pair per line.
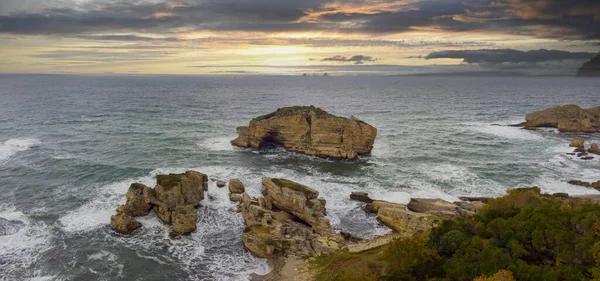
525,235
170,180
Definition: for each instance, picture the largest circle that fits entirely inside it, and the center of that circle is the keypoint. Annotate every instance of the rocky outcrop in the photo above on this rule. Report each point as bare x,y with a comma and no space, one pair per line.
10,227
567,118
577,142
308,130
236,186
289,219
174,200
594,149
420,214
595,185
590,68
361,197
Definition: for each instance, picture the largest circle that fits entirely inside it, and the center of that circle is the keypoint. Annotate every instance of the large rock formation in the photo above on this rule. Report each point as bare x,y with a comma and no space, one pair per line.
590,68
420,214
567,118
308,130
289,219
173,199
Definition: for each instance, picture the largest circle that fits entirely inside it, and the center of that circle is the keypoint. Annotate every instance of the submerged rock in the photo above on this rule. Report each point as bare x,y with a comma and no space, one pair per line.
567,118
289,219
361,197
10,227
577,142
221,183
595,185
308,130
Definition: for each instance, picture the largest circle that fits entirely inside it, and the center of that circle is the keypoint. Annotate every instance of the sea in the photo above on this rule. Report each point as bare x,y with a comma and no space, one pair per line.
70,146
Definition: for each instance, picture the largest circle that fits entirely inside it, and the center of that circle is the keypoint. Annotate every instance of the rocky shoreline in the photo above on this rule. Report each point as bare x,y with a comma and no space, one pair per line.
288,224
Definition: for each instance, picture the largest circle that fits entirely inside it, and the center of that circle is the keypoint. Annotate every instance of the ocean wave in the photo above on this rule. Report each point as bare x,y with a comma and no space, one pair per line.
217,144
19,251
12,146
505,132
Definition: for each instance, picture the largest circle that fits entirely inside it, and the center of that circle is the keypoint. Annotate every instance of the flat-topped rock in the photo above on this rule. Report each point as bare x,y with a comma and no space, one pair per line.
567,118
308,130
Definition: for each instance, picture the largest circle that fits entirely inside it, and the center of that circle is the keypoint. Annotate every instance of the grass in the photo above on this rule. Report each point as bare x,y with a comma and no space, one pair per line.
170,180
293,186
346,266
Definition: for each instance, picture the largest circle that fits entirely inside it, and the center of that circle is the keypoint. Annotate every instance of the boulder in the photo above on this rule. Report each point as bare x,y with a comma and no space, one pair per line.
10,227
475,199
578,142
361,196
181,189
139,200
184,219
236,186
436,207
308,130
124,223
374,206
221,183
567,118
594,149
289,219
595,185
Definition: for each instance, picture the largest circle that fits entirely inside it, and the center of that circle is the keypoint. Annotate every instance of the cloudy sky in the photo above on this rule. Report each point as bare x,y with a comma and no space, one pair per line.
551,37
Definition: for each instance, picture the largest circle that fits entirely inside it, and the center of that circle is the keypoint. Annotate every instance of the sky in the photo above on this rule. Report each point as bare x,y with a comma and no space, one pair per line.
292,37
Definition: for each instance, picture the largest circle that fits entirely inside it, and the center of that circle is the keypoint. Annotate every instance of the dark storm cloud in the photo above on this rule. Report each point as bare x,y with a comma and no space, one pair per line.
574,19
358,59
499,56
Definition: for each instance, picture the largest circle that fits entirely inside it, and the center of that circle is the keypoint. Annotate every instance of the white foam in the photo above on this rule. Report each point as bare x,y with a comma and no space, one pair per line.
514,133
12,146
96,213
20,250
446,179
217,144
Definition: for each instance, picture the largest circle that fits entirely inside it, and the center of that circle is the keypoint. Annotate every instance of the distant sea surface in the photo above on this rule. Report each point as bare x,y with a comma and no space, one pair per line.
70,146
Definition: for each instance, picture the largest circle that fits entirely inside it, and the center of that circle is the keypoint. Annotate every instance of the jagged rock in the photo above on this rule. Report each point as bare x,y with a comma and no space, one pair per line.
173,199
308,130
10,227
184,219
577,142
124,223
139,200
299,200
567,118
361,196
221,183
175,190
436,207
590,68
236,186
289,219
594,149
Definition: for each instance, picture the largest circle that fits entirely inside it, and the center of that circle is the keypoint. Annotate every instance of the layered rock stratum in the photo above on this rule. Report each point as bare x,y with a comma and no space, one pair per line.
174,199
288,220
308,130
566,118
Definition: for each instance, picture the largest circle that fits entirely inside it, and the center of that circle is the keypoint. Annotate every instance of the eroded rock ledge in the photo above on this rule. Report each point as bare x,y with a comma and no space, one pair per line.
288,220
308,130
566,118
174,199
